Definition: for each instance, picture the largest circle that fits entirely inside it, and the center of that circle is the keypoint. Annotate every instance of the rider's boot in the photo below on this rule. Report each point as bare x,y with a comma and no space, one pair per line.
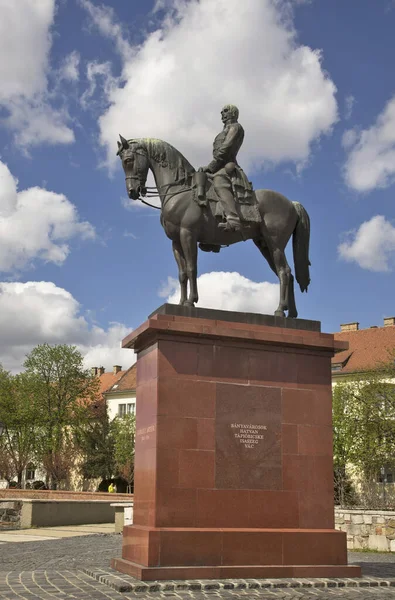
229,205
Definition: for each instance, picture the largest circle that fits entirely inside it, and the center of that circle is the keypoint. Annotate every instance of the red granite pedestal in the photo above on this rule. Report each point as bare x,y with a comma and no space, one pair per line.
233,471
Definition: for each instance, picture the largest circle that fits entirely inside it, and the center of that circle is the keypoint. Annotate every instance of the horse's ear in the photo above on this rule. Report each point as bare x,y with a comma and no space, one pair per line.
124,143
119,148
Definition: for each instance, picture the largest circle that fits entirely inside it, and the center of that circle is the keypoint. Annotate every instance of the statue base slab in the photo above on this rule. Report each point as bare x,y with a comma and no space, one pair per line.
234,468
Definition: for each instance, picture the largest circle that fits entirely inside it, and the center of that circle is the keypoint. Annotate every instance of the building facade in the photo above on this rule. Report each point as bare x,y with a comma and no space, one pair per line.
118,390
369,349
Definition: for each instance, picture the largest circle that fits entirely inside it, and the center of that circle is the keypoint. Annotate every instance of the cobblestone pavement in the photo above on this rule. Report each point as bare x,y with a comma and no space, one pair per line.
54,569
59,554
76,585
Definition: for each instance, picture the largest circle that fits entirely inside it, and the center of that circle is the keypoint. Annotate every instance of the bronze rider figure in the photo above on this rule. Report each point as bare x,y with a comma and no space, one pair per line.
229,180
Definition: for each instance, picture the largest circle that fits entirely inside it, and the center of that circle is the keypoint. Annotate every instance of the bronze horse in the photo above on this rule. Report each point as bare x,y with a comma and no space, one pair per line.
187,224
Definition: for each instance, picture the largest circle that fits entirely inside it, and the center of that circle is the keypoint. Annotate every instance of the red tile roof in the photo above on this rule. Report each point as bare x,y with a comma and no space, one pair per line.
107,380
368,348
126,382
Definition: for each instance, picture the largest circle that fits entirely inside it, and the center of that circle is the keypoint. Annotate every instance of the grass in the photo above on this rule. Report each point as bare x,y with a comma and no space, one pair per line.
370,551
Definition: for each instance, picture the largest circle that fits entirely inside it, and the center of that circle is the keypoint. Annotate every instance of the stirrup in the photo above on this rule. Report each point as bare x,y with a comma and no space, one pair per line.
231,225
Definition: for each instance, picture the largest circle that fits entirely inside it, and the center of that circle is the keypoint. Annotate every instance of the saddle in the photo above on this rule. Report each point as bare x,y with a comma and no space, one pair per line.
206,197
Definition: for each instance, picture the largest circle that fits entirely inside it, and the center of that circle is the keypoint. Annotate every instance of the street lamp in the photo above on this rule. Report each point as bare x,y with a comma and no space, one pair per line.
384,481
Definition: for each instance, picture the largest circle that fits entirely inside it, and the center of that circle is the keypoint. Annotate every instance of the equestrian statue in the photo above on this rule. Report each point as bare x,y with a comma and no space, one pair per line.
216,206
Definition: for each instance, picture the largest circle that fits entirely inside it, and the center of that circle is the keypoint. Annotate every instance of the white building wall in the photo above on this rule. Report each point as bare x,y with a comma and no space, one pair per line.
117,405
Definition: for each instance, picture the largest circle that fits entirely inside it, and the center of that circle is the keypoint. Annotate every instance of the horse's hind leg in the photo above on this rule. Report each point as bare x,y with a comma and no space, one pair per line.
292,310
190,251
279,265
182,271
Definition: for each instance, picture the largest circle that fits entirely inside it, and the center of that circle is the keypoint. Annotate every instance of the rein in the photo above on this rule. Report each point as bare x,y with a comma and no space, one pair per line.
152,189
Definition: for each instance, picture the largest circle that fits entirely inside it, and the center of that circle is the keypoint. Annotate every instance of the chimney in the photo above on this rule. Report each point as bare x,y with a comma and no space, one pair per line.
100,371
389,321
116,369
94,371
349,326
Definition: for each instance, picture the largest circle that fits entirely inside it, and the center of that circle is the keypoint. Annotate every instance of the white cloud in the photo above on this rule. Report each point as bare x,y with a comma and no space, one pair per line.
228,291
103,17
36,122
25,42
349,105
208,53
370,163
38,312
349,138
35,224
98,73
103,347
70,67
372,246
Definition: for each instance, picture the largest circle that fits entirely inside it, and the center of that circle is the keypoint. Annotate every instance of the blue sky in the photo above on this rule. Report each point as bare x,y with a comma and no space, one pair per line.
314,82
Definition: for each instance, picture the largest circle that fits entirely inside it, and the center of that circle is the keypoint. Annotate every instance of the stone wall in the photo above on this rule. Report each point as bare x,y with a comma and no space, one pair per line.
62,495
10,514
54,513
24,513
373,529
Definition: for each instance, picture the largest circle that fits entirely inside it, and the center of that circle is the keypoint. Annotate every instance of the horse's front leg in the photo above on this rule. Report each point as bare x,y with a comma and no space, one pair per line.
190,251
182,271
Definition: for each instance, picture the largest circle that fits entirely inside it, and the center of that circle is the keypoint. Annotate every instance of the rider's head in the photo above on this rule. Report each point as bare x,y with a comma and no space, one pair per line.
229,113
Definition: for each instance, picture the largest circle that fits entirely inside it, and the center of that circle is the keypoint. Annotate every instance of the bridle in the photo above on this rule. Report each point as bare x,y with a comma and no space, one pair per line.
153,191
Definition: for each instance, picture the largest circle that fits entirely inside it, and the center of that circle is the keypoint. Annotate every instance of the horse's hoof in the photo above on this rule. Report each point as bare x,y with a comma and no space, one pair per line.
292,315
189,303
279,313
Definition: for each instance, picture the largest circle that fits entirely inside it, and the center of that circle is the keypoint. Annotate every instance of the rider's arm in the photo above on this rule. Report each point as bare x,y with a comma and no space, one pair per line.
221,155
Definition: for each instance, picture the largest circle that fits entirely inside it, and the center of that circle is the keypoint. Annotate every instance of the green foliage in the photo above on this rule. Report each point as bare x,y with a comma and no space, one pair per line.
19,417
124,429
63,394
364,426
96,444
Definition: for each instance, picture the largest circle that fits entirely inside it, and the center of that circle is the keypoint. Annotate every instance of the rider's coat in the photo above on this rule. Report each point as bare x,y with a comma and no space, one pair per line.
225,149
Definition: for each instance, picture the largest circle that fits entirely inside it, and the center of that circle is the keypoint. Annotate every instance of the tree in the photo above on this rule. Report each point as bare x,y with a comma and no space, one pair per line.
364,424
96,444
19,418
63,394
343,436
124,439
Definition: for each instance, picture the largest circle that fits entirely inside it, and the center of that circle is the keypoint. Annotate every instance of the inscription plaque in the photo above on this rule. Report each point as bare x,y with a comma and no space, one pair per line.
248,437
145,433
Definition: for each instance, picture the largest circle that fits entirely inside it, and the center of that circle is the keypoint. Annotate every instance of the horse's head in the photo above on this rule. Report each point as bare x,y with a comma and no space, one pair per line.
135,164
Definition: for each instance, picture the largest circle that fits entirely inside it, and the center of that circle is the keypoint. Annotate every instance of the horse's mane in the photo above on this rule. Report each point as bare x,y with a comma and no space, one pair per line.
164,153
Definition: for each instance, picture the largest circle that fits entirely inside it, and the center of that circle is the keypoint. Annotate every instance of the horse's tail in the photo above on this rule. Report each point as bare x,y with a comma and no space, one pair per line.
300,243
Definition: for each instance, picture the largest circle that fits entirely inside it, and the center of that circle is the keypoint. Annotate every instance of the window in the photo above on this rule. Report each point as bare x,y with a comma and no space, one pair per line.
30,472
126,409
386,475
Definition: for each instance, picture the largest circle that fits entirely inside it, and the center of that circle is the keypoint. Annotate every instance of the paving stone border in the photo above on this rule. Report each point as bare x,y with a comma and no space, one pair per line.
125,583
